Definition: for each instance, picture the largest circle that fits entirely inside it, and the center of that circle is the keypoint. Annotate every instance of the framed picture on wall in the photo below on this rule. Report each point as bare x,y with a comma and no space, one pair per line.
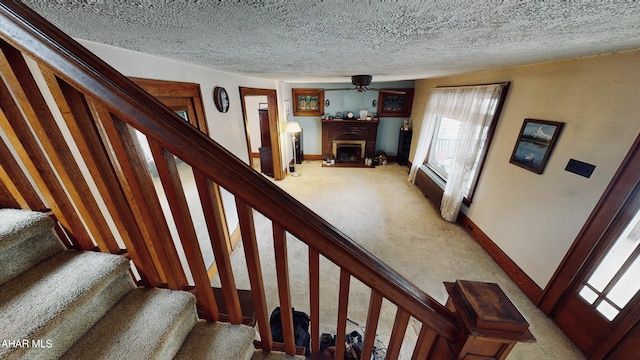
535,143
394,104
307,102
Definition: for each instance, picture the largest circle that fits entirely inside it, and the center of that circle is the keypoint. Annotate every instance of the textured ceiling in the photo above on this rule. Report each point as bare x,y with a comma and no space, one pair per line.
325,41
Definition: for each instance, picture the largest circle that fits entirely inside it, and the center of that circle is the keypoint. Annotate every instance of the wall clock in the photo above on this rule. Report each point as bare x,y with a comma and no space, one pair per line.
221,99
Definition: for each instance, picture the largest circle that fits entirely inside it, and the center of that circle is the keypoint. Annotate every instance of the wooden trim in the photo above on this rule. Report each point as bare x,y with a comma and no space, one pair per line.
6,198
82,128
524,282
274,132
343,307
252,257
284,292
85,71
174,192
234,239
626,178
20,81
424,344
141,195
210,201
36,163
16,183
375,304
314,297
313,157
255,155
397,334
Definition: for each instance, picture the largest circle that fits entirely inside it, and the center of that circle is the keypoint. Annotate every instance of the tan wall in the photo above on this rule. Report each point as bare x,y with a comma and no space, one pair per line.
535,218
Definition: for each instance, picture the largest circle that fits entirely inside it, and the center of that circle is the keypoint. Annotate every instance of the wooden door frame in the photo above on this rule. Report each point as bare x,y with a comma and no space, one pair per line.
274,133
176,92
587,249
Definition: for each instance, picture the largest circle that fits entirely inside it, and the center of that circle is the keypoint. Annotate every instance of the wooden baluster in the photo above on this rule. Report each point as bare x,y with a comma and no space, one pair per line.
397,334
19,79
425,342
212,208
6,198
343,306
248,231
36,163
170,178
136,182
282,271
314,295
375,303
16,183
81,125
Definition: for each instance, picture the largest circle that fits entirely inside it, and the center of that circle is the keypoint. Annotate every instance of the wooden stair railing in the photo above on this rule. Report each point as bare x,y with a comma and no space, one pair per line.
45,73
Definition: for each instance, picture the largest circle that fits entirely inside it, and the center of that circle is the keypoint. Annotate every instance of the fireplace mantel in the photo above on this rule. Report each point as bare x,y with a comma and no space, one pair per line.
366,130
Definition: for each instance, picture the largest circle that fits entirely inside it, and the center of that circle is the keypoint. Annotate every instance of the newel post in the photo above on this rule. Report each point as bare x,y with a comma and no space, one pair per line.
491,324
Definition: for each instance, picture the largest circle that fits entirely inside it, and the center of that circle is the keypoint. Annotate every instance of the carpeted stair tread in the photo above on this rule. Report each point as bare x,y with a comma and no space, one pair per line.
18,225
26,239
145,324
274,355
59,299
218,341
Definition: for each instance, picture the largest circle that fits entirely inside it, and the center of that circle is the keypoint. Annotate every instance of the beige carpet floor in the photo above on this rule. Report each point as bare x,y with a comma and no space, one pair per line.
379,209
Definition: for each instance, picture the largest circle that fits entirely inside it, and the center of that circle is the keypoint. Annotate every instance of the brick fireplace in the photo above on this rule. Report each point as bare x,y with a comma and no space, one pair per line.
349,141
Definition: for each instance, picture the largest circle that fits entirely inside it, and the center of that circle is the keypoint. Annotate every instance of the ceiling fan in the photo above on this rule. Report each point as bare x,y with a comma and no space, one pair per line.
362,81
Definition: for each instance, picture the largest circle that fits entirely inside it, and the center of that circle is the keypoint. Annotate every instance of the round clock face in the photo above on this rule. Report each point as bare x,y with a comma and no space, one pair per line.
350,115
221,99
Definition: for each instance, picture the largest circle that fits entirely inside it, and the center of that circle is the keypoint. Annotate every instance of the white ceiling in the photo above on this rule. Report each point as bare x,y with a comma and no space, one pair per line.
327,41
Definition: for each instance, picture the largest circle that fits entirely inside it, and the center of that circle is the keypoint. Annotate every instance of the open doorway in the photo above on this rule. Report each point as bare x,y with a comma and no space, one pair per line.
260,112
259,134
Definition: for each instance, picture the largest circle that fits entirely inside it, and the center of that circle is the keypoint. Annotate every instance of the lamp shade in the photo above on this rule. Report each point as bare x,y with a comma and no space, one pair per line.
293,127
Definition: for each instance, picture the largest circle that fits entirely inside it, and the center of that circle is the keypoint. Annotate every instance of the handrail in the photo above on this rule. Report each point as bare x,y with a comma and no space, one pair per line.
32,34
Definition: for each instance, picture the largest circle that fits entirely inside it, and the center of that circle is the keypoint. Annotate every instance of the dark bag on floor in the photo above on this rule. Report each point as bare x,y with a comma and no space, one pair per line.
300,328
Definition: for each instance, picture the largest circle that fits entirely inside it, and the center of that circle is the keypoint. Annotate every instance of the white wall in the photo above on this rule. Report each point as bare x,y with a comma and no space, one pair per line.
225,128
535,218
252,104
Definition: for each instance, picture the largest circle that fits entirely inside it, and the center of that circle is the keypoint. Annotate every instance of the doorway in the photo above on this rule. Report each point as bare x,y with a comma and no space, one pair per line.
260,113
594,296
185,100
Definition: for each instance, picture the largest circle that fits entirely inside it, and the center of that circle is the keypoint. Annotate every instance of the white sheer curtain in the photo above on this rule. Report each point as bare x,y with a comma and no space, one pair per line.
474,106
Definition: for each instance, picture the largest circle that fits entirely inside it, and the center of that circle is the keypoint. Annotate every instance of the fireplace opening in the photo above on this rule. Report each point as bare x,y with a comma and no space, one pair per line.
349,151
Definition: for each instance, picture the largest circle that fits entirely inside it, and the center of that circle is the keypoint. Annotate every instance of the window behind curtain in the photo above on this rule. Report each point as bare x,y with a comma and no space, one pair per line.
446,139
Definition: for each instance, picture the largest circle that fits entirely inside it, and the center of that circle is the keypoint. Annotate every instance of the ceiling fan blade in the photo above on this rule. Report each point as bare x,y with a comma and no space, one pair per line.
399,92
339,89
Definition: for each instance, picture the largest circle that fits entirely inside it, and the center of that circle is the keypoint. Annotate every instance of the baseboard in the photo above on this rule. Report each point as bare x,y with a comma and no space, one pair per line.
234,239
524,282
312,157
255,155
